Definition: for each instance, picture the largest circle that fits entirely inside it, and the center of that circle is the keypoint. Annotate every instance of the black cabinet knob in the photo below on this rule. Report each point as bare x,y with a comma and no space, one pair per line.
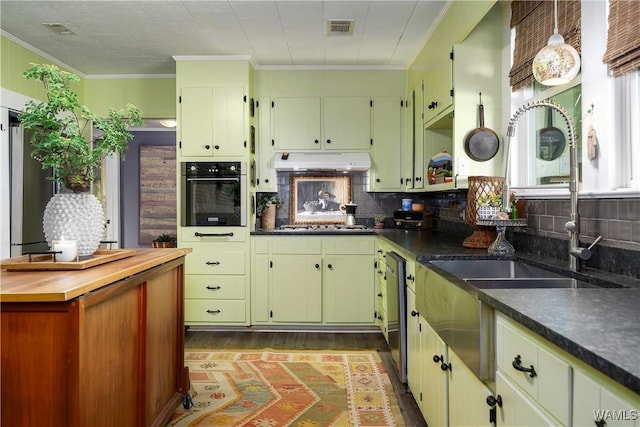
217,147
328,141
493,401
330,266
207,147
414,313
317,266
316,141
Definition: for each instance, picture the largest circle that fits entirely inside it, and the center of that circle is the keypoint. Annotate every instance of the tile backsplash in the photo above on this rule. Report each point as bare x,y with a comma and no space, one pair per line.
616,220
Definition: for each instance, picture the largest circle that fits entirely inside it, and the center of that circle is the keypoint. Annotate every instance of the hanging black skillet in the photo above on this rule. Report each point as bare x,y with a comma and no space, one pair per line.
551,140
481,144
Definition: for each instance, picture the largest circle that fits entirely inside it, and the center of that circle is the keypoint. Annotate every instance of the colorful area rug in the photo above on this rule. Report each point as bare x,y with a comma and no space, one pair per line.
270,388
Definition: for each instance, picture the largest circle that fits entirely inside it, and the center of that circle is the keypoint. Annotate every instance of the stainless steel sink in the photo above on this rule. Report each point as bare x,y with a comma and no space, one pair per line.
536,283
494,269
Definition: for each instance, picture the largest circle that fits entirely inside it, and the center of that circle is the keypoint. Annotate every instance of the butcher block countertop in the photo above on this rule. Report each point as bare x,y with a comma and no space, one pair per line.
51,286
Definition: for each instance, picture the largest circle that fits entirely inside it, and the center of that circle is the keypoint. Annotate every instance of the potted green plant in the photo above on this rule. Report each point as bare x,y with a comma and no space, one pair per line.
266,209
61,141
378,220
164,241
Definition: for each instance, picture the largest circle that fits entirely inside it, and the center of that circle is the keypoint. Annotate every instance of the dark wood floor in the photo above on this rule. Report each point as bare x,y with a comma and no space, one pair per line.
312,340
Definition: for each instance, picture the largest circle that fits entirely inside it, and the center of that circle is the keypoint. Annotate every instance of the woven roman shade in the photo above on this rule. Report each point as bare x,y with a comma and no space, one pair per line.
533,23
623,37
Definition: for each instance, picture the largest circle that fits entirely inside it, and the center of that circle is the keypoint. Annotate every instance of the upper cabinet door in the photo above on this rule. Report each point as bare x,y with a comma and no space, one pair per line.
228,121
347,123
212,121
196,121
388,146
296,123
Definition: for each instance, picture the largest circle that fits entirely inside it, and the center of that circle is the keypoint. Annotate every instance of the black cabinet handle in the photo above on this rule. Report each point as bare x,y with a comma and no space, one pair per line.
414,313
213,311
266,180
317,266
213,234
517,365
328,141
316,141
213,262
410,278
377,179
217,147
380,317
493,401
214,288
380,294
207,147
330,266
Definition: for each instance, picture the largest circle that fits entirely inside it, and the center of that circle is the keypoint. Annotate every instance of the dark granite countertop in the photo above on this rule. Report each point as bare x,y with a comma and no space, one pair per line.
261,232
600,326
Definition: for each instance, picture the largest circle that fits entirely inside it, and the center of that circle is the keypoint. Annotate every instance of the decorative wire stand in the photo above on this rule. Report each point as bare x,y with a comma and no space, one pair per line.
501,245
480,186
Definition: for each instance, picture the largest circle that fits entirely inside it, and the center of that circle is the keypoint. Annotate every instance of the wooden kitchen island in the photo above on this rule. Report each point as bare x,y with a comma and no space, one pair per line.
102,346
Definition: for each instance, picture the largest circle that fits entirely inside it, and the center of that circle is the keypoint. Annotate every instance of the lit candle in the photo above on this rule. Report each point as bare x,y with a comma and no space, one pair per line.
69,249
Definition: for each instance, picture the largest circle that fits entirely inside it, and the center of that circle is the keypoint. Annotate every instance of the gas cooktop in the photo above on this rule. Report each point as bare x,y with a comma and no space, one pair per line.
322,227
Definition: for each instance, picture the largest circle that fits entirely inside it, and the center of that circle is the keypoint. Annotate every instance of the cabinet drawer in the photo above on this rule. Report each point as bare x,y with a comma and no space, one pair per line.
551,384
213,234
214,311
296,245
216,260
214,286
348,245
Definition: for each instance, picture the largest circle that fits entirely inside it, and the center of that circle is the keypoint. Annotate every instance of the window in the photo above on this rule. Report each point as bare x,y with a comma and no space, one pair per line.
596,100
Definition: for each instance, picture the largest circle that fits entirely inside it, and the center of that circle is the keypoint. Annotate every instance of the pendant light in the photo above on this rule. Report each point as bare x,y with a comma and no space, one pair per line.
557,63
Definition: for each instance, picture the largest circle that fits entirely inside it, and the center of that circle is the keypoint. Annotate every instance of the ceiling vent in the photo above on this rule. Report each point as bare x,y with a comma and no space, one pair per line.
59,29
340,27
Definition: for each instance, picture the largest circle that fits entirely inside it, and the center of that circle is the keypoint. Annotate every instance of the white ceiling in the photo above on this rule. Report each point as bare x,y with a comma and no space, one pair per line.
140,37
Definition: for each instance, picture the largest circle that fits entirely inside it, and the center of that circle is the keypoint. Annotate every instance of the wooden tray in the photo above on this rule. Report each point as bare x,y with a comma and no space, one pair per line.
45,262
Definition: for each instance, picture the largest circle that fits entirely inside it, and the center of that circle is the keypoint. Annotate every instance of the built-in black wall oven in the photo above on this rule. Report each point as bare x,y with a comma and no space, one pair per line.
214,193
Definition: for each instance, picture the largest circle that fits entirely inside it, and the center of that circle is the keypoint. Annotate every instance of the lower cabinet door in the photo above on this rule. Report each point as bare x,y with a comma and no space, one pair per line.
467,396
349,293
518,410
434,379
296,288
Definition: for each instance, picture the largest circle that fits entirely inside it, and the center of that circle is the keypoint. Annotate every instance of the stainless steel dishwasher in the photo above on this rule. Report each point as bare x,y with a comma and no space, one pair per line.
397,313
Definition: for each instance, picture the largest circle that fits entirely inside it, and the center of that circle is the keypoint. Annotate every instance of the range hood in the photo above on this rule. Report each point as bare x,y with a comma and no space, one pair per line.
322,160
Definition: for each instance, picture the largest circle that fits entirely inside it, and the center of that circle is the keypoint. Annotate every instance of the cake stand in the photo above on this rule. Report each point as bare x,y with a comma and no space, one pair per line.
501,245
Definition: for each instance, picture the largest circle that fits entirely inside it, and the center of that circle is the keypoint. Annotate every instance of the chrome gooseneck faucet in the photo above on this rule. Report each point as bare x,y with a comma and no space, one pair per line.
572,226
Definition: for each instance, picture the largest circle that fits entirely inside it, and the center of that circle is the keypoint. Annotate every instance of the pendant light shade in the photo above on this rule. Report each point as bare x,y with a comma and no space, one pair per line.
557,63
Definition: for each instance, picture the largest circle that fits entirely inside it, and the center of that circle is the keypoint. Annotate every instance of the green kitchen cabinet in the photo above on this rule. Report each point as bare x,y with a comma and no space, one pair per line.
266,177
467,395
346,123
438,84
296,123
216,278
302,279
296,288
414,165
414,327
563,391
211,121
349,280
433,400
387,146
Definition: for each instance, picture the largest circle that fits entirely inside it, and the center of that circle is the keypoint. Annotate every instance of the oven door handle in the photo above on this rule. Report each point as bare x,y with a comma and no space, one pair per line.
230,234
214,179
